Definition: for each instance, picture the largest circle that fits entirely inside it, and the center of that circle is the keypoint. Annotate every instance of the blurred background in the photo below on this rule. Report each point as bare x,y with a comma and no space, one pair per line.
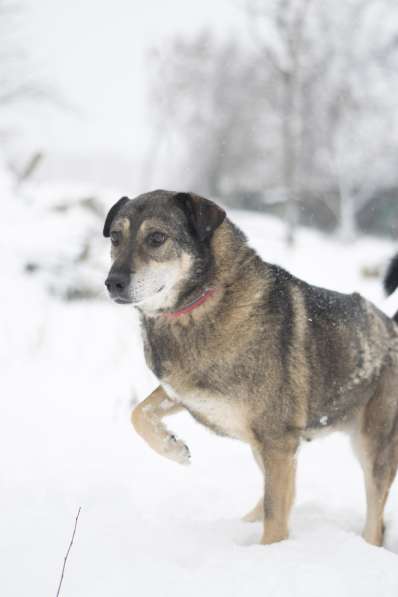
285,112
284,107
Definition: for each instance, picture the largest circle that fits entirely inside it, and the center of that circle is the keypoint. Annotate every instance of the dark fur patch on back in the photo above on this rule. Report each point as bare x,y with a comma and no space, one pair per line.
279,305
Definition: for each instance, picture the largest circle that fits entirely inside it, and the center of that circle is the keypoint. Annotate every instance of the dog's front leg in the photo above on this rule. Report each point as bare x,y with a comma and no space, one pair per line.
280,472
147,421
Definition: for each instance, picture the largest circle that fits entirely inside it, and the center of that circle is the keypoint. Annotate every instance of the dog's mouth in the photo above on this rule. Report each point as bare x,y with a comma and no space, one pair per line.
122,301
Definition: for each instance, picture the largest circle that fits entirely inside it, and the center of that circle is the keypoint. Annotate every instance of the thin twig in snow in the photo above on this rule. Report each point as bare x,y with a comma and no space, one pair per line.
67,553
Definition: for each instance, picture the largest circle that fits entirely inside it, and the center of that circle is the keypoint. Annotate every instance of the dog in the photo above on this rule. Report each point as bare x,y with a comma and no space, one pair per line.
391,280
252,352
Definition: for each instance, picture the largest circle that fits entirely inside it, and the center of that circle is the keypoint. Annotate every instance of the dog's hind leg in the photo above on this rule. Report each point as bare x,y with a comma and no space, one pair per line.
147,421
257,513
376,444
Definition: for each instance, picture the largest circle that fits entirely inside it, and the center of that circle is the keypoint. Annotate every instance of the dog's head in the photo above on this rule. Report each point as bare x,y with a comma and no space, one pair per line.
161,247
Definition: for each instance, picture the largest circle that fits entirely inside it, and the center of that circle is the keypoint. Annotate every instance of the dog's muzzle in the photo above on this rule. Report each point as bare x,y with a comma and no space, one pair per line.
118,284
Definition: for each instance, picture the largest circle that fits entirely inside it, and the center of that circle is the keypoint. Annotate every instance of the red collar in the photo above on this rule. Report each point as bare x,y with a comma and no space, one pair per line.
202,299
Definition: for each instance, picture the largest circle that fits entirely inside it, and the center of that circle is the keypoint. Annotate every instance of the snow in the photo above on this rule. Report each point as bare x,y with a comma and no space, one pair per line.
71,373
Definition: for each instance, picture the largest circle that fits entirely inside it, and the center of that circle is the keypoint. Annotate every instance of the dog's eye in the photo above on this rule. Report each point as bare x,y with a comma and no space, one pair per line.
155,239
115,238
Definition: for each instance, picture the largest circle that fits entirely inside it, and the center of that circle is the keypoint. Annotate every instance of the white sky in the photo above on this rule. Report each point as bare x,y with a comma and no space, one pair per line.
92,51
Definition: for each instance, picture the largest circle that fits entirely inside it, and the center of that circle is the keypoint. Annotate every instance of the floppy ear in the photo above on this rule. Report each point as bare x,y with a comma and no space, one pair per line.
204,215
112,214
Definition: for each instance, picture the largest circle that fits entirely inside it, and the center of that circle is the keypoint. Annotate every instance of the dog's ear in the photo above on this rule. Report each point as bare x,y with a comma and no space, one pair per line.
112,214
204,215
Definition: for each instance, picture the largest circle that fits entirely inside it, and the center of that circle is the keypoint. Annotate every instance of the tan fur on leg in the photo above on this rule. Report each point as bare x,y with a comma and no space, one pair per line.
373,532
280,469
377,488
375,441
147,421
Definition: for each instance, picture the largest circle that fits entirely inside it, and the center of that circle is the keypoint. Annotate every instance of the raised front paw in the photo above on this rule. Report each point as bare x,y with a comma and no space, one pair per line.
176,450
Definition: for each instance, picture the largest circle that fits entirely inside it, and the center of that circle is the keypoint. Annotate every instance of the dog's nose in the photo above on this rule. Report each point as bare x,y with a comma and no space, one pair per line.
117,282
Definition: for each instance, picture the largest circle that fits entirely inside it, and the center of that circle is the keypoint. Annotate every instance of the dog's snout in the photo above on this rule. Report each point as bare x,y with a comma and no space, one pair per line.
117,282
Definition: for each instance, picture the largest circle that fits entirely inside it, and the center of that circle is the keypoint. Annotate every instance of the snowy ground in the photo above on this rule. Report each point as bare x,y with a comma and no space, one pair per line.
148,527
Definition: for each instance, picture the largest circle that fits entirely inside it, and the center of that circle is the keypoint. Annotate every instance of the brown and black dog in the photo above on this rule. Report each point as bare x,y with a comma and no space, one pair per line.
251,351
391,279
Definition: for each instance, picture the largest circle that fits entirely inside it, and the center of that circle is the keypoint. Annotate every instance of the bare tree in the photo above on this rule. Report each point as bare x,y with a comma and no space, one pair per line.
207,103
306,107
279,31
330,61
361,109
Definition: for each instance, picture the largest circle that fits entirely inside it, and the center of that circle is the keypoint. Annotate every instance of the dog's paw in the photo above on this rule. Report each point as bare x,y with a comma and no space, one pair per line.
178,451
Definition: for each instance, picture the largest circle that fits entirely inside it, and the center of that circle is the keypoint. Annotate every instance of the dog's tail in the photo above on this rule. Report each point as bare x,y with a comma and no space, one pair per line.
390,282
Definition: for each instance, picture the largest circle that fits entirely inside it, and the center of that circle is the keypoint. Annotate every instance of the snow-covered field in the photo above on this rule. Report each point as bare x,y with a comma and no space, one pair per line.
70,373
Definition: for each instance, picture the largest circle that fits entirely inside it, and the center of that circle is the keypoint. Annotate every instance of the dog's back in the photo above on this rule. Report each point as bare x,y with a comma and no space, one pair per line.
347,343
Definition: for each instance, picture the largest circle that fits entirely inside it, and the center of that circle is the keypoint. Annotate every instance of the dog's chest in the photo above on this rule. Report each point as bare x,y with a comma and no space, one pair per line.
222,415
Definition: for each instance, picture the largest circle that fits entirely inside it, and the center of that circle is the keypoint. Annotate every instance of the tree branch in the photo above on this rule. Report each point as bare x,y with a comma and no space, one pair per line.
67,552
